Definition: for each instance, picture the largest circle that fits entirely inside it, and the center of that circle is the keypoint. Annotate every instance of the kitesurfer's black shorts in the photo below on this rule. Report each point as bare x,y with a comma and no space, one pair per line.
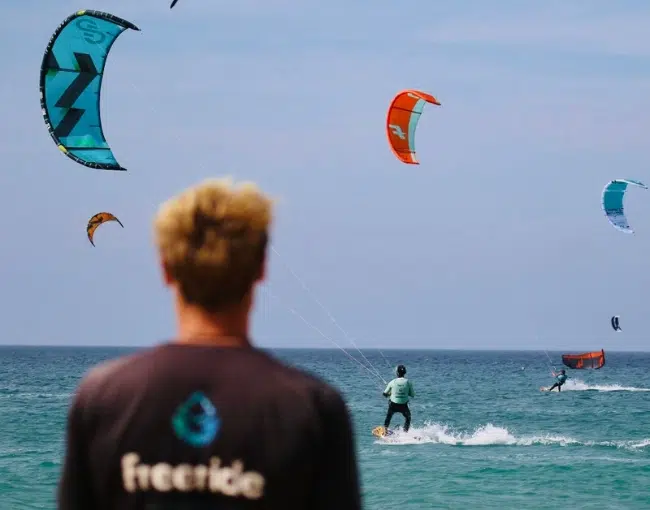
184,426
399,408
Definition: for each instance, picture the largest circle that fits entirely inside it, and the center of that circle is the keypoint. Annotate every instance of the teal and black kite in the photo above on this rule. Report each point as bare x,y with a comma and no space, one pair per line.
71,81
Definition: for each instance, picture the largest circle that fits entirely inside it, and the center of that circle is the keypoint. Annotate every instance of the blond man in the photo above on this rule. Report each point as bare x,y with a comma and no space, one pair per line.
209,421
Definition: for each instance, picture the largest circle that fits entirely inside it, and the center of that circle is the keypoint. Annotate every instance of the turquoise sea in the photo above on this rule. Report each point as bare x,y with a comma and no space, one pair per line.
483,434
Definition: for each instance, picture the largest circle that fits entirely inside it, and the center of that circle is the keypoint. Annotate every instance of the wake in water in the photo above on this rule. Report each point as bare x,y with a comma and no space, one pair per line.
491,435
578,385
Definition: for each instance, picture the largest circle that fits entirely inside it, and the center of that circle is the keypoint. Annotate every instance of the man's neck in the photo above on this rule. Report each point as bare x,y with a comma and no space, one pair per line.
198,327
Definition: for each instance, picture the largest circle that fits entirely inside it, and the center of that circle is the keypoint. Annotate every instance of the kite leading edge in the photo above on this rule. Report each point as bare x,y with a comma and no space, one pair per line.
70,86
403,116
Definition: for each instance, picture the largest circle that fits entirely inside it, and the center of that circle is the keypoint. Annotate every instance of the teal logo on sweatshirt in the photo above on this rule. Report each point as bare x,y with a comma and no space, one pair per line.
196,421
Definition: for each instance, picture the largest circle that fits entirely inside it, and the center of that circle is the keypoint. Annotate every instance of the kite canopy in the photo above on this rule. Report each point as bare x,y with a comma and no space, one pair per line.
97,220
71,80
613,195
403,116
593,360
615,323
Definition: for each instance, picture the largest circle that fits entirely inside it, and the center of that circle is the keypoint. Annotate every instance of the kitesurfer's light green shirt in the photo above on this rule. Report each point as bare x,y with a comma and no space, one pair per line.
400,390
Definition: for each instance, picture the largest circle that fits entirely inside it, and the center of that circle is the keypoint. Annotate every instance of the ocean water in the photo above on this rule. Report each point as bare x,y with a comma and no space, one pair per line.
483,435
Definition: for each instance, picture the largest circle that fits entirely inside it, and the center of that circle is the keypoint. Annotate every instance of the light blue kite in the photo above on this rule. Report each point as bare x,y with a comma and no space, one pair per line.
613,203
71,81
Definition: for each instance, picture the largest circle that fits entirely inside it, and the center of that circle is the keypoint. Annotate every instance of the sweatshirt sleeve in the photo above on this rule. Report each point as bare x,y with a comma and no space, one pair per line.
336,484
75,489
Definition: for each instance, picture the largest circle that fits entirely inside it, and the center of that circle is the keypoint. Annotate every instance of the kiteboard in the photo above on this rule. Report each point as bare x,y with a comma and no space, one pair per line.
382,432
544,388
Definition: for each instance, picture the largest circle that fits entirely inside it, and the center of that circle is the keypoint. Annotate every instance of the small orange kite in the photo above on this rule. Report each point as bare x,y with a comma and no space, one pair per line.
403,116
96,221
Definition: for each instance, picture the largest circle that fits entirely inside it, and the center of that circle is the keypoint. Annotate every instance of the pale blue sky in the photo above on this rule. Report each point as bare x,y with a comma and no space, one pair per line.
496,241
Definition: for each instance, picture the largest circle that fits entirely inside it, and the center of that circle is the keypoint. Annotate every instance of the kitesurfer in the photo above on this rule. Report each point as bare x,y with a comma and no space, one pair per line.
398,391
209,420
561,379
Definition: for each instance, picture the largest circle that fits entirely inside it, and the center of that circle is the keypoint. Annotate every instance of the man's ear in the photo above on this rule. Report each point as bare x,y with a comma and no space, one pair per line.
262,274
167,279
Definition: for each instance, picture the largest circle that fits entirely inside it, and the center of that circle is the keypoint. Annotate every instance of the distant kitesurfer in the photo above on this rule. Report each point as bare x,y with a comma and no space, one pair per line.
208,420
399,390
561,379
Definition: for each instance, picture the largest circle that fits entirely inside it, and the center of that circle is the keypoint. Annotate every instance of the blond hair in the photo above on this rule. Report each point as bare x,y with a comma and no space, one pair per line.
212,241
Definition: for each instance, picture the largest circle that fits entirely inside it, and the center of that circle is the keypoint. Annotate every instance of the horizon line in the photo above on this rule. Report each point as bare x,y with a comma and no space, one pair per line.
4,346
